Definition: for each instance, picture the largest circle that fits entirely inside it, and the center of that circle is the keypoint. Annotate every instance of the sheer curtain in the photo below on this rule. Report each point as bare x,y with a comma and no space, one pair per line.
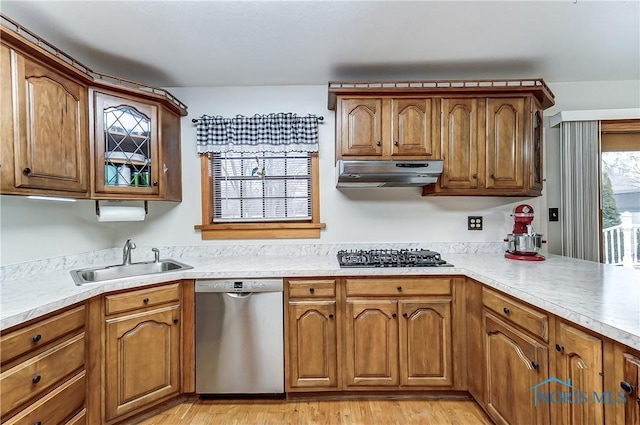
579,189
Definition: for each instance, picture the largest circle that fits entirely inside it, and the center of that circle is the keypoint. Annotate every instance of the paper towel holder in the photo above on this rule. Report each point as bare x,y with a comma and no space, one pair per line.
146,207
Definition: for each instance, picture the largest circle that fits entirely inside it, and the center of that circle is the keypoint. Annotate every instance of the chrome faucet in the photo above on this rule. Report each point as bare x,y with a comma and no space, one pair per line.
156,252
126,252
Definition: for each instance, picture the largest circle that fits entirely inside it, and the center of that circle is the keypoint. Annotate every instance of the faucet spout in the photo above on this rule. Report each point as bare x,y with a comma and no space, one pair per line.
126,252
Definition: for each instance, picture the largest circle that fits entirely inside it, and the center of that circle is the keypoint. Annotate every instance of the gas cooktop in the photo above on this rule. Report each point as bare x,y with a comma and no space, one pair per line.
391,258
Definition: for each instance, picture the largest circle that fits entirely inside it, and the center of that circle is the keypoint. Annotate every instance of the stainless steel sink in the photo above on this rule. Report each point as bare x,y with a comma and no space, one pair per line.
119,271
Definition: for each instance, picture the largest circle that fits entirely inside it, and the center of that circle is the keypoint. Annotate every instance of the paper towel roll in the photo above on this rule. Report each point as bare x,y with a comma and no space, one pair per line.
120,213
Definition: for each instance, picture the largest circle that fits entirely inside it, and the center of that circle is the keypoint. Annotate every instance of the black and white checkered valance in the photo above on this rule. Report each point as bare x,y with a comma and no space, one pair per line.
282,132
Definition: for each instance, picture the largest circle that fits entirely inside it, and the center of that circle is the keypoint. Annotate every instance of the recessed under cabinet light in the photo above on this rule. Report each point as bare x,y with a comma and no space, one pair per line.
51,198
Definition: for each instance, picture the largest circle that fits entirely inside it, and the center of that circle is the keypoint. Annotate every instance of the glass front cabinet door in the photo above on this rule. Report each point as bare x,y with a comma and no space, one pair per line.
126,147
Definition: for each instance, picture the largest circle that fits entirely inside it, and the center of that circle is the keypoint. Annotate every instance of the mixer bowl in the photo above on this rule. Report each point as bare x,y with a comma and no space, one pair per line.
524,244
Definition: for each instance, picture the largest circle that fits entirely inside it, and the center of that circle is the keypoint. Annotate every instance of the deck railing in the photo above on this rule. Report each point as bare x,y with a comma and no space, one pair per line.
621,243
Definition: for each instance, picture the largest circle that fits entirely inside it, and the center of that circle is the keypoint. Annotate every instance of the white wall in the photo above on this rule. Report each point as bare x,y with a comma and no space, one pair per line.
32,230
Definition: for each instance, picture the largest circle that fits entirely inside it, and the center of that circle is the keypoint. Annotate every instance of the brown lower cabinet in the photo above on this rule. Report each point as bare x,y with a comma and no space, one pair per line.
43,379
311,332
627,376
352,334
398,342
141,353
578,358
369,334
515,363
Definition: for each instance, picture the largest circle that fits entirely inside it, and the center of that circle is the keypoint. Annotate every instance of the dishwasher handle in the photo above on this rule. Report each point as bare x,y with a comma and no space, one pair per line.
240,295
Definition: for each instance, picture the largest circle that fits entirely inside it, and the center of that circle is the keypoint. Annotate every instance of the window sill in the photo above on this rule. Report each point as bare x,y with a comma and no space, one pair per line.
261,230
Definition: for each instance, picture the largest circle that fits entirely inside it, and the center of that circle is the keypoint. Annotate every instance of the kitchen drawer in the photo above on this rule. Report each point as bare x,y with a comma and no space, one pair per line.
33,377
312,288
17,343
79,419
55,407
531,320
141,298
399,287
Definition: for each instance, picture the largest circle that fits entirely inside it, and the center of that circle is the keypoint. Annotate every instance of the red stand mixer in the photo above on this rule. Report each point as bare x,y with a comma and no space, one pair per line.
523,243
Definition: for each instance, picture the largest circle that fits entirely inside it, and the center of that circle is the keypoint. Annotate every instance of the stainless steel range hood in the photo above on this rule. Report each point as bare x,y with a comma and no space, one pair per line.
387,173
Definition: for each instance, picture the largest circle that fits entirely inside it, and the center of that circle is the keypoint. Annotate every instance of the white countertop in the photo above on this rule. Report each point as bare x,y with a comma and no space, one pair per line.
602,298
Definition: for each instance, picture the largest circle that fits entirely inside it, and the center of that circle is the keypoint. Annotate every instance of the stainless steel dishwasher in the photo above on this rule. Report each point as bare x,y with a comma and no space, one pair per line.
239,336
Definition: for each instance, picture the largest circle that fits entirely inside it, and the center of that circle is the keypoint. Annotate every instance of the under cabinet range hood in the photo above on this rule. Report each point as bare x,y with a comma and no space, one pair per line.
387,173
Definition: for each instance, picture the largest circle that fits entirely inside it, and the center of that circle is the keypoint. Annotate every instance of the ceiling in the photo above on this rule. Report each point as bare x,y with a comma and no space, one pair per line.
244,43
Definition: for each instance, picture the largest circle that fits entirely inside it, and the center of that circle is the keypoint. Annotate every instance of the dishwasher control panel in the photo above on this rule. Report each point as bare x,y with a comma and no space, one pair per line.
239,285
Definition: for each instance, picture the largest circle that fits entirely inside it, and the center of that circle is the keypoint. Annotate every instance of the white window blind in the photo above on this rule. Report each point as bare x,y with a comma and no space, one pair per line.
260,187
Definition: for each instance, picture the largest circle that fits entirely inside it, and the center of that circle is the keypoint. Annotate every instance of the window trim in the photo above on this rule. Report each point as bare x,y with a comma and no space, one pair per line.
266,230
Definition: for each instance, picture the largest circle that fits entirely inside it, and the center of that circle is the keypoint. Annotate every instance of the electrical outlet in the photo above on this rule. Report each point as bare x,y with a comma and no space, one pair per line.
553,214
474,222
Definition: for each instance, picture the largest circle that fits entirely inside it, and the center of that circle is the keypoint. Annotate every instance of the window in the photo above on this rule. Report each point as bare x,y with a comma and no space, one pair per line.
264,195
264,187
259,176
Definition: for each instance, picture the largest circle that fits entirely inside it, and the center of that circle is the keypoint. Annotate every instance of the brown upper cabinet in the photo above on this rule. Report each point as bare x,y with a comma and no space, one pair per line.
44,128
386,128
488,133
70,131
132,160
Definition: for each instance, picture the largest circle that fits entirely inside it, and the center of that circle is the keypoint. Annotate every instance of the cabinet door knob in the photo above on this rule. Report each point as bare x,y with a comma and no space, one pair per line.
475,176
399,288
37,423
378,143
396,144
626,387
492,176
506,310
36,337
312,290
175,320
405,315
394,315
36,379
146,300
330,315
559,348
27,171
155,183
535,365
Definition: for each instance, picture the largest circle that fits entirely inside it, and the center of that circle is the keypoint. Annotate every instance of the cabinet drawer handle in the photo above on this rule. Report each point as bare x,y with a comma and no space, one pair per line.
394,315
330,315
506,310
535,365
559,348
405,315
36,337
378,143
626,387
37,423
175,320
312,290
145,301
399,288
36,379
27,171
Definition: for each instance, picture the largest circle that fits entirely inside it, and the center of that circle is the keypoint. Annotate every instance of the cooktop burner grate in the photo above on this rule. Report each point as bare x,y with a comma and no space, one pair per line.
391,258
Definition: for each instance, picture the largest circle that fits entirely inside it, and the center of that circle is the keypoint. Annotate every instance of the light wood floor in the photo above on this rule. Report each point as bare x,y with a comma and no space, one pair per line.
325,412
